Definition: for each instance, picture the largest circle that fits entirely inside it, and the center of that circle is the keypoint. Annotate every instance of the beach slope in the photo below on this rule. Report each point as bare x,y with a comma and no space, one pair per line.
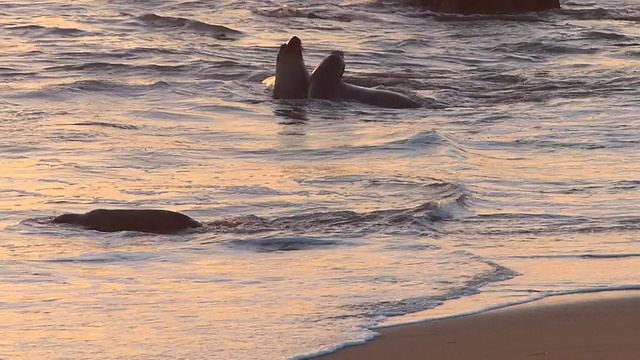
575,327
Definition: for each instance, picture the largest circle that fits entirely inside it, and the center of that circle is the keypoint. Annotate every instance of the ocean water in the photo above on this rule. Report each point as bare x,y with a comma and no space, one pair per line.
519,179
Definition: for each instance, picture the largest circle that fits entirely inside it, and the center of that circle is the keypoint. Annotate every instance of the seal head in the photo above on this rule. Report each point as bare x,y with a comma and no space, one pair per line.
292,76
326,78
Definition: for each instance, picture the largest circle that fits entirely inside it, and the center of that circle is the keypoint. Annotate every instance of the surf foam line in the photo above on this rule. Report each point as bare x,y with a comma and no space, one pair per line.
373,334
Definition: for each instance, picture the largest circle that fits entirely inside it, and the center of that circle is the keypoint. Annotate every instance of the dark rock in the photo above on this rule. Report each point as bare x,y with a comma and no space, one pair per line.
466,7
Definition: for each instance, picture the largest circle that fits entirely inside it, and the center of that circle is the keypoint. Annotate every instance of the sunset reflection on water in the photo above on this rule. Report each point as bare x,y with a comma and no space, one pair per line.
321,219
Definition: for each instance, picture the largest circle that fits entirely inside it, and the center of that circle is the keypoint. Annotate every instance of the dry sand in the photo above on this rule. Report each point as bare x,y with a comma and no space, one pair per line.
602,326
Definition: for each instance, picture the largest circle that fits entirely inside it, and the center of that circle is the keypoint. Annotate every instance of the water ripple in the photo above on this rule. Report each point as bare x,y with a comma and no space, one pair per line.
49,31
284,243
170,22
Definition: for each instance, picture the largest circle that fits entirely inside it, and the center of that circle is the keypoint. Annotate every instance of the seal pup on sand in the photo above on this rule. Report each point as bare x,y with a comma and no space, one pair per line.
326,83
150,221
292,76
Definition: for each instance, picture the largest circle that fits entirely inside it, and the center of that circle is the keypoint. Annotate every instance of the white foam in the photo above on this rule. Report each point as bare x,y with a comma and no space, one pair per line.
372,334
530,299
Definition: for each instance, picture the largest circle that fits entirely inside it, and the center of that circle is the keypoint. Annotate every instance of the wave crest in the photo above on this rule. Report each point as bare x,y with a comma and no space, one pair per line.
41,30
419,219
170,22
283,243
324,13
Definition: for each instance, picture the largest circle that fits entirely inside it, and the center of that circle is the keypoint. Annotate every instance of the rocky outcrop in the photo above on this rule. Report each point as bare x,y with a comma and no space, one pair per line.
486,6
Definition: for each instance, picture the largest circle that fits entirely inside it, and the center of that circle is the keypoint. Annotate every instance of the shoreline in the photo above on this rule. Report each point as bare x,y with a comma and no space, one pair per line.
575,326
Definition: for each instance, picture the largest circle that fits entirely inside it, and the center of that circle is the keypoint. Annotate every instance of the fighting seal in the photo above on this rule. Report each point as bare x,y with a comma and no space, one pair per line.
292,76
148,221
326,83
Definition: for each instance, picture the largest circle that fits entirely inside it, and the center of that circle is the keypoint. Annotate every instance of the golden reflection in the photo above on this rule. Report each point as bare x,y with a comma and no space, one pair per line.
60,22
194,147
601,61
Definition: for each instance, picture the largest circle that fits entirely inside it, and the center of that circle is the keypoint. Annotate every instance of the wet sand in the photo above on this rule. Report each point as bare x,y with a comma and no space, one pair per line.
598,326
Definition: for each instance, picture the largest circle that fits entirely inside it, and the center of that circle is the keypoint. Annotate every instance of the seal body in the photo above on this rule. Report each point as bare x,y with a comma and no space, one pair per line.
292,76
326,83
150,221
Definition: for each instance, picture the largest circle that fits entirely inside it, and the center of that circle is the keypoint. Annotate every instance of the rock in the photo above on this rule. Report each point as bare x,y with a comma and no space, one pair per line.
467,7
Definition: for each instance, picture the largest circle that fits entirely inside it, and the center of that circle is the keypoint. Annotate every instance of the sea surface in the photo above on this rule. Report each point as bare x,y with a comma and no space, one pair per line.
518,179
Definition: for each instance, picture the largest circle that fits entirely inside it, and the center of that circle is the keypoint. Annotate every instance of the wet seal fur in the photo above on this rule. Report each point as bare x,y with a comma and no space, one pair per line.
148,221
292,76
326,83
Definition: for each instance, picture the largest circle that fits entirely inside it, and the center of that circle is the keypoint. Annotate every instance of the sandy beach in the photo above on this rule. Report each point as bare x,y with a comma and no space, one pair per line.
598,326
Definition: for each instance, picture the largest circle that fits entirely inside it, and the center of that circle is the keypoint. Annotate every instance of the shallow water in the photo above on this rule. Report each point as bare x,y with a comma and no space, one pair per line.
518,179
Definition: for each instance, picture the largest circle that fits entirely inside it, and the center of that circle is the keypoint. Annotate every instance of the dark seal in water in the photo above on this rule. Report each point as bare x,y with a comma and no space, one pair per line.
150,221
292,76
326,83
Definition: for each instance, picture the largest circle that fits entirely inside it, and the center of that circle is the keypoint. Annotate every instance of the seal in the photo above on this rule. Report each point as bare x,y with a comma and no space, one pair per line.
326,83
149,221
292,76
